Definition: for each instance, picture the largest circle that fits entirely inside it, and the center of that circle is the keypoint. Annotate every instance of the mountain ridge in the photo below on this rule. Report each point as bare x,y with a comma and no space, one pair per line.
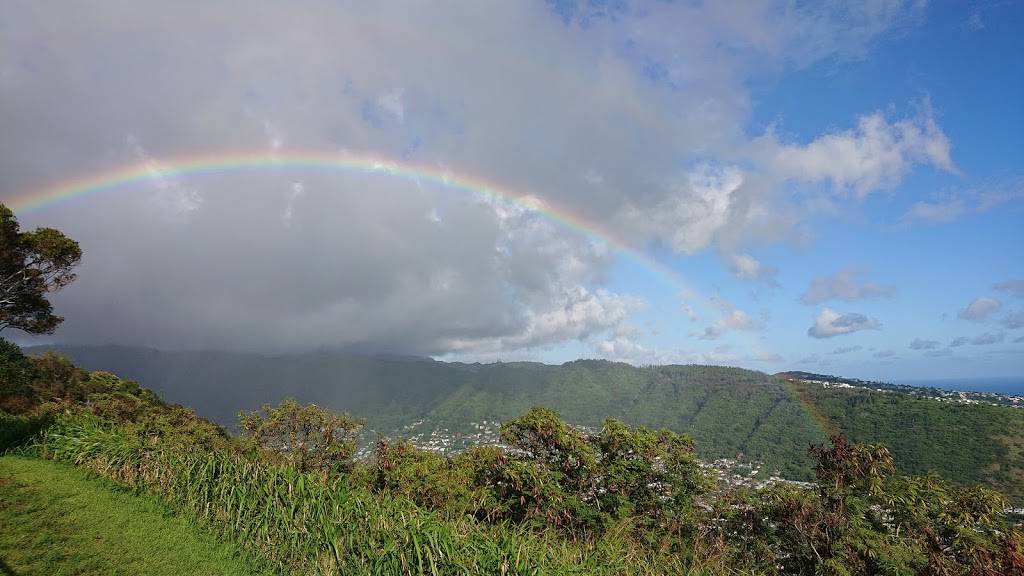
732,413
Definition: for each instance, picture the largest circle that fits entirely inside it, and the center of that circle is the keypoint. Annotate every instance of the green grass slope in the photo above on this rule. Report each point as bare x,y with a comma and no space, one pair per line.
56,519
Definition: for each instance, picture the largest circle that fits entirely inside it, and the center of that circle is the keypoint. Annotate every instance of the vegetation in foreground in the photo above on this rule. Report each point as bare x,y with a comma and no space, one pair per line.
624,500
58,520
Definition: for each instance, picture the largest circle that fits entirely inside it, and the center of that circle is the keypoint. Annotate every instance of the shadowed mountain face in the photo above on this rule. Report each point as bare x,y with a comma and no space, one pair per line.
729,411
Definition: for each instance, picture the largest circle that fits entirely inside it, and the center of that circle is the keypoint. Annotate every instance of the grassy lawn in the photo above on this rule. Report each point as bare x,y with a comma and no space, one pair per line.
57,520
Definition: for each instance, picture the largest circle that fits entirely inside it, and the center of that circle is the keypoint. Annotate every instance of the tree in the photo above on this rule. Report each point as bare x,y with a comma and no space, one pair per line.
585,482
16,375
309,437
32,264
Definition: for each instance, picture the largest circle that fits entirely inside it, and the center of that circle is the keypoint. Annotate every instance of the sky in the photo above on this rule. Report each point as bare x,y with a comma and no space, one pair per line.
832,187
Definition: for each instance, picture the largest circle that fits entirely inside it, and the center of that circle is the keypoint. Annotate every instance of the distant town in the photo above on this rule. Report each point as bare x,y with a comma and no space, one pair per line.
930,393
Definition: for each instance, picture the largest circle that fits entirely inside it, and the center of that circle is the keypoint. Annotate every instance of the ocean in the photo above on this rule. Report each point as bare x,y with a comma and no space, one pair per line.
1009,385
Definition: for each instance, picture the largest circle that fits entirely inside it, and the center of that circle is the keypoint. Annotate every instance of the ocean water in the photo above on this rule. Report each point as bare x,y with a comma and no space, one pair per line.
1001,385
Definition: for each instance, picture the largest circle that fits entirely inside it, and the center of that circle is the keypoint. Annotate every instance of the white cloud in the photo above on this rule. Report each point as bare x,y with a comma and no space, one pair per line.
980,309
843,285
173,198
295,191
731,319
735,320
746,267
975,22
576,315
977,200
936,211
694,211
623,348
829,323
875,155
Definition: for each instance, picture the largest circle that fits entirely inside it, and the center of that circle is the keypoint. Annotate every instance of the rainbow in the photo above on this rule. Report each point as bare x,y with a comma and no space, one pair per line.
145,171
343,162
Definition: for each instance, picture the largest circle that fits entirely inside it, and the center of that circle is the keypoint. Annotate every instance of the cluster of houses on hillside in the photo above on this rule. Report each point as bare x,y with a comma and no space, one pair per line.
929,393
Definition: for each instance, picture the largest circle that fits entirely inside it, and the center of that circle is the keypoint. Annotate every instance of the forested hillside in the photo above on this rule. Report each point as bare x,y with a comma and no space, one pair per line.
964,442
729,411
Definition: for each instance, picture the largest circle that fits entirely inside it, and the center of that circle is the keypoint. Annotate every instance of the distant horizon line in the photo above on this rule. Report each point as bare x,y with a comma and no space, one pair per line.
380,354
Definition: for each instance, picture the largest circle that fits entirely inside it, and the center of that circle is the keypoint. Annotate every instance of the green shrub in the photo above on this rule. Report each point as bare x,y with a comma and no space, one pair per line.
862,519
433,481
307,437
16,375
19,430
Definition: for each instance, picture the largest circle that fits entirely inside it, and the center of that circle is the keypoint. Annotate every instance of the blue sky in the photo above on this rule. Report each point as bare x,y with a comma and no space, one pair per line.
964,62
835,188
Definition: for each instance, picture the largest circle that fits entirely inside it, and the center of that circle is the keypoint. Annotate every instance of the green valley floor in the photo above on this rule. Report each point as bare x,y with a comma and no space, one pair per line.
58,520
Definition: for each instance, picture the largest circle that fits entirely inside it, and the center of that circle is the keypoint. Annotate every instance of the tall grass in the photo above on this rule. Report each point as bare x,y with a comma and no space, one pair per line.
306,524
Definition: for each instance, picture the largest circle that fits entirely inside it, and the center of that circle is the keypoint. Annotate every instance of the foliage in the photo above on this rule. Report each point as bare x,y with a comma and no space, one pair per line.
316,524
586,483
861,518
651,474
307,437
453,486
312,523
51,384
18,430
16,374
32,264
555,476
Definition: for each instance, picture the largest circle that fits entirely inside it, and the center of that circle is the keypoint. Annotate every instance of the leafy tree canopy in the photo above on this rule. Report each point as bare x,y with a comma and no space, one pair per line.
308,437
32,264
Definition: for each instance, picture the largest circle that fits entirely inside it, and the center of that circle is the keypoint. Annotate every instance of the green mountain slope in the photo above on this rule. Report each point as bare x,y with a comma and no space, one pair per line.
968,443
729,411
